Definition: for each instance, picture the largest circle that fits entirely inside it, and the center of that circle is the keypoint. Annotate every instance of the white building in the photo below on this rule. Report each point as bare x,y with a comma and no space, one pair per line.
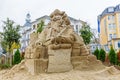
25,33
77,24
35,24
95,41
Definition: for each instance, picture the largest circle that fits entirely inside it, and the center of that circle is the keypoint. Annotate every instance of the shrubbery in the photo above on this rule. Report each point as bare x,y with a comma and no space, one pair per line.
17,57
4,66
96,53
102,55
112,56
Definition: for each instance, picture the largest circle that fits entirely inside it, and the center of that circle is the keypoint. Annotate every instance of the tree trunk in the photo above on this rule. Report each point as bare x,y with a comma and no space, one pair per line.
10,59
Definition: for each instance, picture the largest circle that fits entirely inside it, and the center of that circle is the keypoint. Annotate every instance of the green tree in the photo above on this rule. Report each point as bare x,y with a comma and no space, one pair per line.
102,55
112,56
40,26
96,53
10,34
86,33
17,57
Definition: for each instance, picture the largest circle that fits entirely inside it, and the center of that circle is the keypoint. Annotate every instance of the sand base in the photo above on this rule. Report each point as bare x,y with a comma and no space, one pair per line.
19,72
109,73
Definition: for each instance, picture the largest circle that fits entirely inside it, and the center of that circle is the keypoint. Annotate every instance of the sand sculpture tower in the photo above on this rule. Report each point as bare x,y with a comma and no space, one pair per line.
57,48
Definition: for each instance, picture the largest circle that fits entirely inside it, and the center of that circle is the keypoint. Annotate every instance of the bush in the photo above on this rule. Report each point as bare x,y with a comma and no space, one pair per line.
4,66
17,58
96,53
102,55
112,56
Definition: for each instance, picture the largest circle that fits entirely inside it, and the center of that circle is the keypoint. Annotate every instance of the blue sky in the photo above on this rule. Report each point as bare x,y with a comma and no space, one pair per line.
86,10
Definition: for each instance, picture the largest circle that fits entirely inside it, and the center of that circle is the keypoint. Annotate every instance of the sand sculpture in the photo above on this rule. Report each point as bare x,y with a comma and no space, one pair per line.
57,48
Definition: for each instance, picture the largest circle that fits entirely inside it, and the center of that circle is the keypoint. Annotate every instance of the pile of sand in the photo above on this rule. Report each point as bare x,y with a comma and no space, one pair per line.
18,72
72,75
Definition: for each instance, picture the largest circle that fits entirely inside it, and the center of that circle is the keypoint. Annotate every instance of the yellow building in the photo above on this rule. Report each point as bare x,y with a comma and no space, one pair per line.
109,27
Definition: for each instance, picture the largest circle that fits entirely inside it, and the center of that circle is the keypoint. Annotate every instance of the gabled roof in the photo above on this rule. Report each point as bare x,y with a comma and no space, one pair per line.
47,17
108,11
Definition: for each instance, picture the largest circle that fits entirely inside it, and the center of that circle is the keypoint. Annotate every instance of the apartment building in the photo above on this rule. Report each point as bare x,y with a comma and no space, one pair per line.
109,27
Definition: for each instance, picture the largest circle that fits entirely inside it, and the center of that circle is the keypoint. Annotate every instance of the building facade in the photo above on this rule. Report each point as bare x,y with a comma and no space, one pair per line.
109,27
25,33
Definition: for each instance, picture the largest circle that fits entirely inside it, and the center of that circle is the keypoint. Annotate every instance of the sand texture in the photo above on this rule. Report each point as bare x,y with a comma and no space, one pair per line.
18,72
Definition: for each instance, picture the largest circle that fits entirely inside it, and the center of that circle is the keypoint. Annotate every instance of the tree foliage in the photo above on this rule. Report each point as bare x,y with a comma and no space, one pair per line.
112,56
15,46
17,57
86,33
10,34
96,53
102,55
40,26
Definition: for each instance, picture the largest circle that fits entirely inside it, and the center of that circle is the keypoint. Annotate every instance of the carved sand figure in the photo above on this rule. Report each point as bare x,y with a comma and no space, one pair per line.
58,31
57,48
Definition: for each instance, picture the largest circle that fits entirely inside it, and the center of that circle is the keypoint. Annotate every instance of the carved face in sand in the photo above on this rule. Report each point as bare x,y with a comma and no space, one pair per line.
57,18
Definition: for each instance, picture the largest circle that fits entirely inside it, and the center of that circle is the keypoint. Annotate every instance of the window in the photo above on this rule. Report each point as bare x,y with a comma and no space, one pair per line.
114,35
109,26
110,9
106,47
77,28
110,36
111,17
118,44
112,26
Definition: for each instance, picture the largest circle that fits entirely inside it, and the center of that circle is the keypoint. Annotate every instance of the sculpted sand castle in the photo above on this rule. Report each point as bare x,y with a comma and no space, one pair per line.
57,48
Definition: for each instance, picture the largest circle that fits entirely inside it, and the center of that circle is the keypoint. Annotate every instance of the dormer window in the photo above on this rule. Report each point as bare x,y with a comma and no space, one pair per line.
111,9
